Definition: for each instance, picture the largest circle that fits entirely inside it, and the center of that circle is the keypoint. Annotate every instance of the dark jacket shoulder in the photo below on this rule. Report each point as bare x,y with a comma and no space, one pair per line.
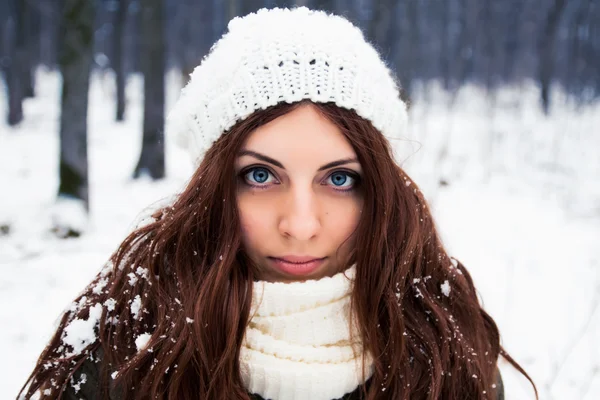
356,395
86,385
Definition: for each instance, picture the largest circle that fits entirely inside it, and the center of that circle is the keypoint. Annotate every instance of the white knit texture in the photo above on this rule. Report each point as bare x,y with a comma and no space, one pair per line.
282,55
300,342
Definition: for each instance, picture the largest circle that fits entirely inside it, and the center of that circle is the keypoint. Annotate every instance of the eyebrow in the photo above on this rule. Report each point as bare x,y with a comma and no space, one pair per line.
276,163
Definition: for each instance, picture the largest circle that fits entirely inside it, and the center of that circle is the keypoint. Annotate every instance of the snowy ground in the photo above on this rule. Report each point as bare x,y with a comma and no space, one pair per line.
521,210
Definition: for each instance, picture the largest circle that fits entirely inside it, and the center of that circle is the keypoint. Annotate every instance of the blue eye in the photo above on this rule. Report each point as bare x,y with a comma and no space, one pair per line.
257,175
342,180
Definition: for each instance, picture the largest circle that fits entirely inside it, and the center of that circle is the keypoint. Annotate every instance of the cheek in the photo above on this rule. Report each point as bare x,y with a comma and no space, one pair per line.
253,221
343,218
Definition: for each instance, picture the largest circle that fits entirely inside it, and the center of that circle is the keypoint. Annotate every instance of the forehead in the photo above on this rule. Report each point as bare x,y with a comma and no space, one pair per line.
301,133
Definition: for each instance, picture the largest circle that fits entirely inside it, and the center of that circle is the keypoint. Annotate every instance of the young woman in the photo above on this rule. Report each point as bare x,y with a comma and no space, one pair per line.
300,262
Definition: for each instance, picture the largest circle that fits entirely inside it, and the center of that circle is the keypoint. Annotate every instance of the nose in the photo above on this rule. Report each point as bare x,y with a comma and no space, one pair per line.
300,215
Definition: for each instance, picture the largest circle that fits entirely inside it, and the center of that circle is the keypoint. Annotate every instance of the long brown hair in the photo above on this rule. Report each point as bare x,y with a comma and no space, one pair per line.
185,282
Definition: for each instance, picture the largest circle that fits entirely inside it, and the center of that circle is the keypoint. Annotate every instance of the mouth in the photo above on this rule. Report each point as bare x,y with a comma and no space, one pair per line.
297,265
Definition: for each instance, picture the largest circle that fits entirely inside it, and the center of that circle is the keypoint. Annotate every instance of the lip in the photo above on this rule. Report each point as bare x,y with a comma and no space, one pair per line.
297,265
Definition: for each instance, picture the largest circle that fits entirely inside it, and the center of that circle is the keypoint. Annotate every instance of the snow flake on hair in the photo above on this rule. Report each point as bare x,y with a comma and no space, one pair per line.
142,340
142,272
77,306
100,285
107,269
445,287
110,304
132,278
418,292
80,333
136,305
454,266
77,385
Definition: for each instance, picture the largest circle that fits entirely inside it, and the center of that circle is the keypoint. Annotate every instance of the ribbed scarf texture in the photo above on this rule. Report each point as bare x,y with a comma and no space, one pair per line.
301,342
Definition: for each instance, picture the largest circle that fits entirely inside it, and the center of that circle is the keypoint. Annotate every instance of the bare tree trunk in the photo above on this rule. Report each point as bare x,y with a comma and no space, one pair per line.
445,45
325,5
249,6
594,44
187,19
512,44
198,34
484,49
152,157
285,3
381,27
17,57
349,9
575,48
465,43
31,36
136,30
118,62
49,16
75,60
581,51
410,54
233,9
546,51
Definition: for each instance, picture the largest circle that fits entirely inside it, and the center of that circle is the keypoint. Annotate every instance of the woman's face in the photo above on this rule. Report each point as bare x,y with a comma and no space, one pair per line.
299,196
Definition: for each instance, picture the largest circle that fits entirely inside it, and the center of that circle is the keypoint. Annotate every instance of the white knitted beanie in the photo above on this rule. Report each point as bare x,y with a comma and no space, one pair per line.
285,55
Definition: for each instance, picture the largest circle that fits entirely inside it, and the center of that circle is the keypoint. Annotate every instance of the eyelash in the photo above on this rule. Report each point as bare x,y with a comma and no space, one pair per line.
248,170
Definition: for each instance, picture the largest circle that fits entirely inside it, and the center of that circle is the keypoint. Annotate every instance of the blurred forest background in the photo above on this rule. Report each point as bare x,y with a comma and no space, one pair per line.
487,42
504,141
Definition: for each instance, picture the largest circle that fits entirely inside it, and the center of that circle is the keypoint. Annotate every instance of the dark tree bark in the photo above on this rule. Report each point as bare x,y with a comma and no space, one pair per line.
380,28
349,9
512,43
179,35
15,60
248,6
30,11
465,41
445,38
325,5
233,9
575,47
546,51
75,59
197,34
452,45
408,54
285,3
484,49
583,53
118,49
49,15
152,157
133,45
592,48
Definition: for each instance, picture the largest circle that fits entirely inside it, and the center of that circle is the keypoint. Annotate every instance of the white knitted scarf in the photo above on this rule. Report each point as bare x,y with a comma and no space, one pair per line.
300,342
